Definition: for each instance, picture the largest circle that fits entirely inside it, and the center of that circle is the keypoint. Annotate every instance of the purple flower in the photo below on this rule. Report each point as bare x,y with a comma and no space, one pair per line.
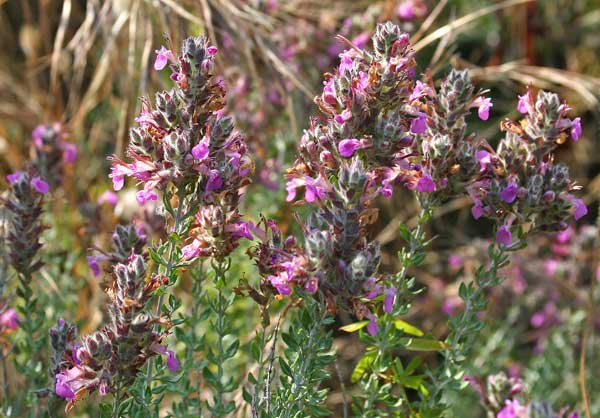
421,89
311,285
242,229
455,261
405,10
212,50
93,263
62,388
314,189
200,151
163,55
477,210
9,319
329,93
363,81
69,152
214,181
576,129
389,299
280,282
419,124
579,209
426,184
108,197
343,117
38,135
191,250
14,177
172,362
524,104
509,193
143,196
346,62
346,147
483,104
372,327
503,236
512,409
40,185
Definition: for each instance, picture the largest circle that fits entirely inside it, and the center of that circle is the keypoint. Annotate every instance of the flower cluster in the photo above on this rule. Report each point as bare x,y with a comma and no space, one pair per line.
9,320
499,398
183,138
519,183
51,150
114,354
24,205
357,149
445,158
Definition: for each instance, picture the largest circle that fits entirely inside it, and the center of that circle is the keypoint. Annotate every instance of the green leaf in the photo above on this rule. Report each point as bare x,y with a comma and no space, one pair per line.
363,364
423,344
355,326
408,328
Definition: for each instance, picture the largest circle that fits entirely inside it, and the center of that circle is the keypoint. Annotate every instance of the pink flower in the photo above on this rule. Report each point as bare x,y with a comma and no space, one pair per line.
576,129
329,93
69,152
483,104
93,263
62,388
212,50
9,319
172,362
390,298
346,147
503,236
343,117
372,327
419,124
579,208
214,181
40,185
512,409
38,135
143,196
346,62
280,282
14,177
551,266
311,285
524,105
163,55
477,210
200,151
421,89
108,197
426,184
406,10
191,250
455,261
509,193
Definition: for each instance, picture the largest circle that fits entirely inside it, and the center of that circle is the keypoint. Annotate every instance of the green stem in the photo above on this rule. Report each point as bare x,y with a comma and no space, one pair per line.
168,272
117,401
220,267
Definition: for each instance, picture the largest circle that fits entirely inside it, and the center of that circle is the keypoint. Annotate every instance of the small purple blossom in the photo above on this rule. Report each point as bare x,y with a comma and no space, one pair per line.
477,210
419,124
426,184
343,117
512,409
509,193
503,236
200,151
9,319
93,263
143,196
576,129
311,285
163,55
346,147
372,327
14,177
483,104
389,299
405,10
524,104
62,388
172,362
69,152
214,181
421,89
40,185
109,197
579,209
346,62
212,50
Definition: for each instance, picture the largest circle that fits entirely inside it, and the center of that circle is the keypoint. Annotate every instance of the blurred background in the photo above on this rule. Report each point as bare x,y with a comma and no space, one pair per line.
81,66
